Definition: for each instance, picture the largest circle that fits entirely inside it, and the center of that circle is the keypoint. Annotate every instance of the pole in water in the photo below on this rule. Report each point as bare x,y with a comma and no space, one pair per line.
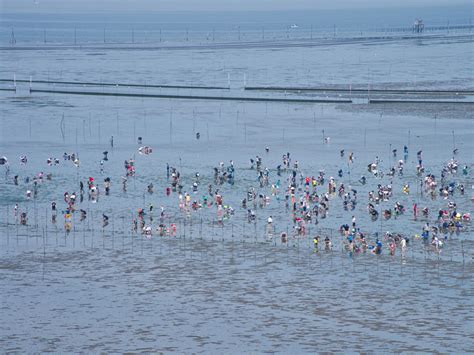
75,36
454,143
365,137
171,125
134,132
389,154
44,35
63,128
12,38
409,137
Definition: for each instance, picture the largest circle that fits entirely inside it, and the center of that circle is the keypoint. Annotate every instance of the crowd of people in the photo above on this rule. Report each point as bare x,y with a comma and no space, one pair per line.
301,199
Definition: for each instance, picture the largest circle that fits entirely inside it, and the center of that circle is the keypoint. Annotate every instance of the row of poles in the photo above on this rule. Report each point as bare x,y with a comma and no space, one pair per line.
238,34
210,36
187,228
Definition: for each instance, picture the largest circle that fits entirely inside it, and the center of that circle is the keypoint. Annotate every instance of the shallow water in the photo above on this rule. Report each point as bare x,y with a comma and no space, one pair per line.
231,288
199,296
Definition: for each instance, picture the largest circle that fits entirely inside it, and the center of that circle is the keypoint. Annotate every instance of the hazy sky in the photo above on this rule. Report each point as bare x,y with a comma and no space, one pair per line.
206,5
